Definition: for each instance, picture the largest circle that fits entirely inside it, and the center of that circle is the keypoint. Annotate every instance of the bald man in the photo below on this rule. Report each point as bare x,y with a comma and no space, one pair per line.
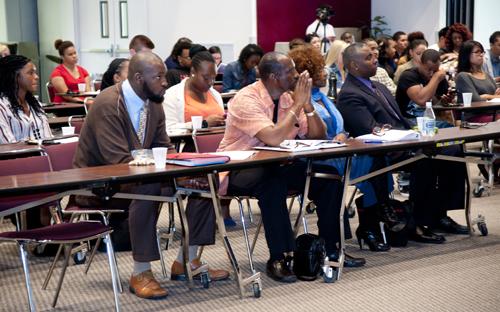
111,131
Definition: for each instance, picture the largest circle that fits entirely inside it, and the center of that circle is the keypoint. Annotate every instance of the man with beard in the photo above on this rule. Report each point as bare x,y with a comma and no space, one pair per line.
126,117
266,113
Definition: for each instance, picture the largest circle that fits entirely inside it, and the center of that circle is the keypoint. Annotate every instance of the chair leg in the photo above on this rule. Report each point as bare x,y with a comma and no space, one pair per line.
162,259
114,270
52,267
250,214
29,290
92,254
118,279
257,232
67,254
245,234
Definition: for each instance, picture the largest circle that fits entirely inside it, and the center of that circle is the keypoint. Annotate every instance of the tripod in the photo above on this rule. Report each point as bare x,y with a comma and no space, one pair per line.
324,41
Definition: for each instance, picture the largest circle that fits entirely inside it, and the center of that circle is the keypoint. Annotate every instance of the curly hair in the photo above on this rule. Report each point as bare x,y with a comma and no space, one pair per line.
308,58
457,28
10,66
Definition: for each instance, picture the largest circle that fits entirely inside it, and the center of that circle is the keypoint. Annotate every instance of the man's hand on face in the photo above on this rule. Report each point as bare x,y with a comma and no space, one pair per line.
302,92
440,75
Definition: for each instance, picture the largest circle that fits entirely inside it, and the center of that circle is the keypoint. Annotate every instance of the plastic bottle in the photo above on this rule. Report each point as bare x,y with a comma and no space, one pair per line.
332,88
429,120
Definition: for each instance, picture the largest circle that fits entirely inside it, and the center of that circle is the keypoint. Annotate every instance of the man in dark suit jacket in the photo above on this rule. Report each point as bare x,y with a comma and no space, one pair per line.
365,105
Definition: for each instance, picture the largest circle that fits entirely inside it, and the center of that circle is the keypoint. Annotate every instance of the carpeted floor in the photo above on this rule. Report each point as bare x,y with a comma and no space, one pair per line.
461,275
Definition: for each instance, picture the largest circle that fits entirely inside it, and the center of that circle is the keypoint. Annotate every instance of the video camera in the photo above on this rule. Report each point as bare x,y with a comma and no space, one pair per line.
324,12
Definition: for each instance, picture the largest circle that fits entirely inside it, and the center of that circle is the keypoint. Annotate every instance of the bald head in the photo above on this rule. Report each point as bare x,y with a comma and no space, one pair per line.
271,63
142,61
146,75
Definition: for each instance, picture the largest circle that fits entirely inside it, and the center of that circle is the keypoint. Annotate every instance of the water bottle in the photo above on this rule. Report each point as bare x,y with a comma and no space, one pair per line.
429,120
332,88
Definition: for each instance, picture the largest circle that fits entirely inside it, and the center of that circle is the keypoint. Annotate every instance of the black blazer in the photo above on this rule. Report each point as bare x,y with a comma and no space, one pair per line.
362,109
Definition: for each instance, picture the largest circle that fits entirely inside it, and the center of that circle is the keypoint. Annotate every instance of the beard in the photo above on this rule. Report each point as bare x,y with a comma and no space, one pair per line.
157,98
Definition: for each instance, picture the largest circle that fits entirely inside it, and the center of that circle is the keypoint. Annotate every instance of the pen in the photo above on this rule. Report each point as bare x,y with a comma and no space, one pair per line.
373,141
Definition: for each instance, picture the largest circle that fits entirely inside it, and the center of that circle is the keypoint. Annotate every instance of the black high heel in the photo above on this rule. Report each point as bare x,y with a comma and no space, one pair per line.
371,239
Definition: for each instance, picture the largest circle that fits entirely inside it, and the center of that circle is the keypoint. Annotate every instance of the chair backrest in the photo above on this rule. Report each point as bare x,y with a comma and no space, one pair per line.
51,92
61,155
97,84
207,142
18,166
77,122
24,165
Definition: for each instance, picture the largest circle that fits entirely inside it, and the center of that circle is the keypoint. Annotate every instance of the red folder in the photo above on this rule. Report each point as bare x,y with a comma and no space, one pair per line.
196,159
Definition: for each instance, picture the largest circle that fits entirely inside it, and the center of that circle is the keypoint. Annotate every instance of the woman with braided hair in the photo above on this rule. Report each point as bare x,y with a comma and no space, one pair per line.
21,115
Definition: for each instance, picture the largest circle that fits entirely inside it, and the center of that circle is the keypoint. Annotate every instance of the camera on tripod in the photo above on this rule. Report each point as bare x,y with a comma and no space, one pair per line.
324,12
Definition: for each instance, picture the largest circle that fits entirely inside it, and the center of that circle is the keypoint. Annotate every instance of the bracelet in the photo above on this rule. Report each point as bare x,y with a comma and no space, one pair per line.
311,113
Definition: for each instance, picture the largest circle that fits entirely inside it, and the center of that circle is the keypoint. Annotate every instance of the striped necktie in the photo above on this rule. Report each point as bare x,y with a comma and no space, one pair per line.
388,105
143,118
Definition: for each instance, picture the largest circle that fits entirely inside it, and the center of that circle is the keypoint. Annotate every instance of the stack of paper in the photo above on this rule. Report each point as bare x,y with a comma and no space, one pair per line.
391,136
301,145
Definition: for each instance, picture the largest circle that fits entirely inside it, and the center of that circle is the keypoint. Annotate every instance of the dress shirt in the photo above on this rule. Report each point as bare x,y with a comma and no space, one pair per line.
133,103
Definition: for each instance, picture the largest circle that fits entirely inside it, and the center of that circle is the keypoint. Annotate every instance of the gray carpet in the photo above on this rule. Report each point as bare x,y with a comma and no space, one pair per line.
461,275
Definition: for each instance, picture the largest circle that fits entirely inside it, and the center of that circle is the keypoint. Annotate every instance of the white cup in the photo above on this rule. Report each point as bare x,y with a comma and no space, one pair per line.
467,98
197,122
160,156
68,130
81,87
420,124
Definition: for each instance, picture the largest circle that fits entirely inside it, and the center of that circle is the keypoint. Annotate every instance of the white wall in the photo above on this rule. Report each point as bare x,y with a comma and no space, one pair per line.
55,21
206,22
3,22
486,20
427,16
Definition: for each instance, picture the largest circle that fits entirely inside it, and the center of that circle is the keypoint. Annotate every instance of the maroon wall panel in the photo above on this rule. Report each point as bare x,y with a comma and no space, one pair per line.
283,20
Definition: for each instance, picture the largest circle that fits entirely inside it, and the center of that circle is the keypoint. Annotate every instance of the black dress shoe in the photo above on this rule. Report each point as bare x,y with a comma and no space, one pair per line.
279,270
424,235
349,261
448,225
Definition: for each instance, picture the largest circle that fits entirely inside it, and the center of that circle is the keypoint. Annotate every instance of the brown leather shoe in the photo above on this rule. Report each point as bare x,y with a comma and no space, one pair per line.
144,285
177,272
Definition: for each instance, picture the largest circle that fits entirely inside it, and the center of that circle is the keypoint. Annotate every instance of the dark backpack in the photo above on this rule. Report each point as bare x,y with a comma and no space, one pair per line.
404,211
309,256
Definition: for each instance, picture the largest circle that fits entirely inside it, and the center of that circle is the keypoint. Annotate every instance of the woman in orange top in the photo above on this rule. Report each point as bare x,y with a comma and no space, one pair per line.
195,96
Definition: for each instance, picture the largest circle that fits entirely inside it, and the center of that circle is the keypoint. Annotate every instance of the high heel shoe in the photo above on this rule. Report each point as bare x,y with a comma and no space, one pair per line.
371,239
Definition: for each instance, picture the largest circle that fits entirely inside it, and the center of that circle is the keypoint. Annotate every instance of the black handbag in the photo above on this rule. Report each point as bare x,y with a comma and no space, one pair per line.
403,211
309,256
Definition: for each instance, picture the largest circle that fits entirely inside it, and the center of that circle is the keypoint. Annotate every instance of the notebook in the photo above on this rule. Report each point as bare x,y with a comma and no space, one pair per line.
196,159
392,135
301,145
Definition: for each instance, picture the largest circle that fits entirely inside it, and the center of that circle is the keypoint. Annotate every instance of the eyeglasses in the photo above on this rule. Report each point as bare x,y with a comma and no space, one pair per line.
478,52
380,131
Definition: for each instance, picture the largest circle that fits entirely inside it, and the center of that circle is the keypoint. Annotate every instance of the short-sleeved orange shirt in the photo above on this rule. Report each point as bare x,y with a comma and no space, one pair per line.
250,111
193,107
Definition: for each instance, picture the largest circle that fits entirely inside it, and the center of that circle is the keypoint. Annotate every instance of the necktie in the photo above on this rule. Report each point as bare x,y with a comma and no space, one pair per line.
388,105
143,118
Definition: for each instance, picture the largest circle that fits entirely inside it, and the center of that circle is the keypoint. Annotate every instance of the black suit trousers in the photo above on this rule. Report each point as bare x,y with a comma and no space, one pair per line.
271,184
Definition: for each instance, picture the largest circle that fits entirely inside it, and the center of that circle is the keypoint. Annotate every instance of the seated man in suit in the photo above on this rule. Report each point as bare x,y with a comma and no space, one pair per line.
366,105
266,113
421,84
126,117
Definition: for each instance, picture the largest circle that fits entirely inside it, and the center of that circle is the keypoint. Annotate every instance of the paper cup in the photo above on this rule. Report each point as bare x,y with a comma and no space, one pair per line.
467,98
197,122
420,124
160,156
68,130
81,87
